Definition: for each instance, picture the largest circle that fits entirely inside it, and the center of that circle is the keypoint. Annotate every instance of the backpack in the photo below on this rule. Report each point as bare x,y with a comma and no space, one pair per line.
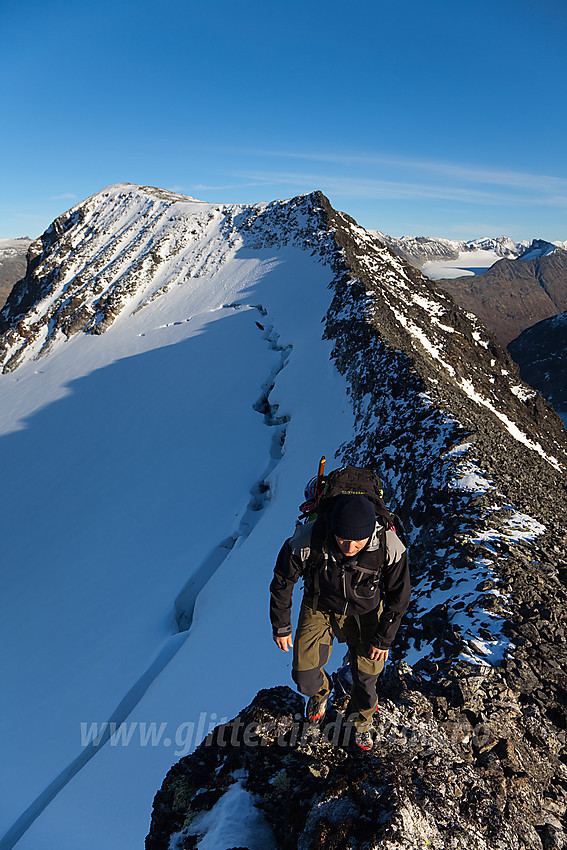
322,493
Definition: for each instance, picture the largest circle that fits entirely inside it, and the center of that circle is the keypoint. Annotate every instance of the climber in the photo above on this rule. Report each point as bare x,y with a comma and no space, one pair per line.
356,588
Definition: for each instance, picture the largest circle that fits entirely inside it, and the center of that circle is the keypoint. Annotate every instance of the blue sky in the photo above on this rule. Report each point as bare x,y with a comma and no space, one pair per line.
414,117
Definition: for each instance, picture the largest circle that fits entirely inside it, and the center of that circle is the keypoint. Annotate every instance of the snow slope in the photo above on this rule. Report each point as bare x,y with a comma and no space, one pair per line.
112,448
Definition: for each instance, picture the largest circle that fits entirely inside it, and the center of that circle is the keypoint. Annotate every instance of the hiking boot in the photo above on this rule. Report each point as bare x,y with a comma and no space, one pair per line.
364,740
316,707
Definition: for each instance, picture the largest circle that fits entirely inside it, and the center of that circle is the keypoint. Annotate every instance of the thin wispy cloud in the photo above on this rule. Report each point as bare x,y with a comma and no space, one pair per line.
67,196
361,187
543,183
248,185
462,230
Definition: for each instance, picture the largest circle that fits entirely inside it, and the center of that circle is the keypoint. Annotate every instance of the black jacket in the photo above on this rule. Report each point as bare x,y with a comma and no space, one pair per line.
343,588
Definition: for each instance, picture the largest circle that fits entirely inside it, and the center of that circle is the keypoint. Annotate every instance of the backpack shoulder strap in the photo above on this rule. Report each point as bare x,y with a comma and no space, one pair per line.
318,537
398,527
316,557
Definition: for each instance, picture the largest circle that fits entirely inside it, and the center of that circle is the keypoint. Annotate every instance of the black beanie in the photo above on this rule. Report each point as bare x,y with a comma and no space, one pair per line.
353,518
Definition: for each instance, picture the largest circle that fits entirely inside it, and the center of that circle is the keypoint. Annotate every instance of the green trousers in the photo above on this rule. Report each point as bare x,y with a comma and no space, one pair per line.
312,649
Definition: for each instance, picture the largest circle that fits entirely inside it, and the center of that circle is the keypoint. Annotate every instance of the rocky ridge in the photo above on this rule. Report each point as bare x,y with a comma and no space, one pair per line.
475,463
438,776
441,412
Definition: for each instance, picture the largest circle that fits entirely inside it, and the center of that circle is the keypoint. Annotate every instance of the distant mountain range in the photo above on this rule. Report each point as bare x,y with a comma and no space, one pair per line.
517,289
434,255
12,264
521,298
420,250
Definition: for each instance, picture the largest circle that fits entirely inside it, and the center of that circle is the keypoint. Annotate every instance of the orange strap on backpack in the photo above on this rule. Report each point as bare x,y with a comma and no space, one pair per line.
320,474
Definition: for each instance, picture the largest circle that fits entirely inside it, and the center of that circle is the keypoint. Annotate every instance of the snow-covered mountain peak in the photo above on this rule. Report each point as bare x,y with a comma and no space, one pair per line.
125,246
539,248
151,191
501,245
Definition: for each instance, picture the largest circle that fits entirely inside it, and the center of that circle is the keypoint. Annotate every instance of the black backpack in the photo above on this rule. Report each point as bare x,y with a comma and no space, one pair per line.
322,494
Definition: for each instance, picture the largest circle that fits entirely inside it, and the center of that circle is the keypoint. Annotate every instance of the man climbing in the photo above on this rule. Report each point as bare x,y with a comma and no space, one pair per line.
357,588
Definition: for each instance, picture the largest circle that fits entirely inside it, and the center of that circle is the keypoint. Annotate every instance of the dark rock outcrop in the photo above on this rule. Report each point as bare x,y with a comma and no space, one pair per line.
541,353
440,774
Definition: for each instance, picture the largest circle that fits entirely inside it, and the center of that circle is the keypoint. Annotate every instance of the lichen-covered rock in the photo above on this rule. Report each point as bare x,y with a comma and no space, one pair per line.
451,768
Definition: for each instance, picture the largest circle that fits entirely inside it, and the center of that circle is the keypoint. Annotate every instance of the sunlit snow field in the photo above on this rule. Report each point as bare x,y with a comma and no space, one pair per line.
469,263
129,459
